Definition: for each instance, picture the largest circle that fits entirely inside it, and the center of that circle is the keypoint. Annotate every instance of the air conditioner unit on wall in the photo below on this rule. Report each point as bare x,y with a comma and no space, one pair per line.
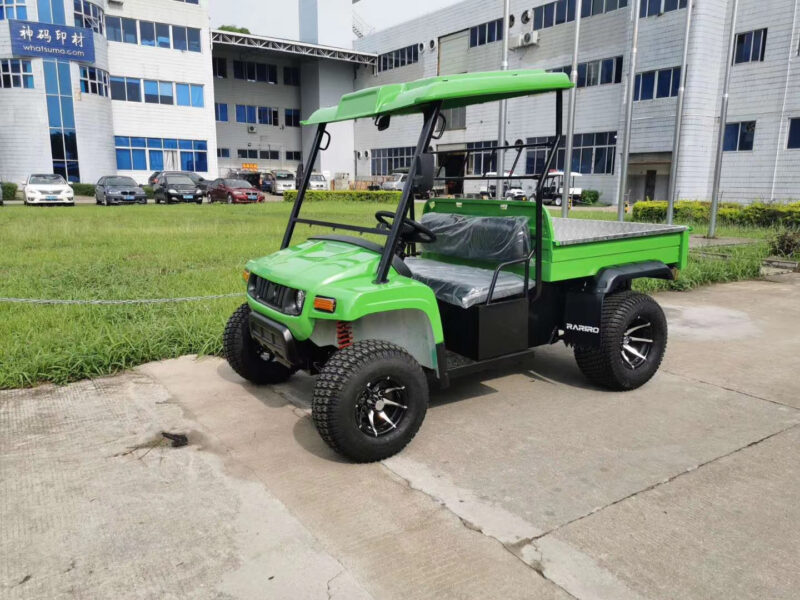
523,40
251,129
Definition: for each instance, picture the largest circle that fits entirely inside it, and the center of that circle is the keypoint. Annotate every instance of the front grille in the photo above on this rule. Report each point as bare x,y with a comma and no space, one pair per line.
272,294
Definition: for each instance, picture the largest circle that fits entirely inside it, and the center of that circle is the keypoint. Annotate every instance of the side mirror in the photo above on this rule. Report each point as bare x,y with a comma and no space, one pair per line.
423,180
382,122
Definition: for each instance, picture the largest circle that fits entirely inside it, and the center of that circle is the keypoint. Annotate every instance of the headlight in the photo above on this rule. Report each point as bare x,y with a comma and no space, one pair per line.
299,300
172,191
198,191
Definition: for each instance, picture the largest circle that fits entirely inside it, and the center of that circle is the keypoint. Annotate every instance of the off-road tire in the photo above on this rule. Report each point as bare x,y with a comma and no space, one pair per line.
605,366
339,385
245,356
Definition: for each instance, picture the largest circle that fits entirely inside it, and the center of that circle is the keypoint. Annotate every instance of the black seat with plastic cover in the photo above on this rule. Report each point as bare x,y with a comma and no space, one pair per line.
493,240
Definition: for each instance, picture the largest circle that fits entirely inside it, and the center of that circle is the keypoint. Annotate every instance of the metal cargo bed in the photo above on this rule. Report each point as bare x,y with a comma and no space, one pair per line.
570,232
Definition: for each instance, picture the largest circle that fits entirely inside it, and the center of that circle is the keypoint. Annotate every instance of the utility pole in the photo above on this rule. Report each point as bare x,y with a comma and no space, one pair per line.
676,144
573,98
723,118
626,144
501,128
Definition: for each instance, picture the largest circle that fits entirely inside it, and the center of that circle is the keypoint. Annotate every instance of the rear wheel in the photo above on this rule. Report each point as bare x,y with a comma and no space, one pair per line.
246,356
557,201
370,400
632,344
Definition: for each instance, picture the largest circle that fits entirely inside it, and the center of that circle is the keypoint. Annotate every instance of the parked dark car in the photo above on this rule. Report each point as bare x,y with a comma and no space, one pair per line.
118,190
233,191
151,181
198,181
177,187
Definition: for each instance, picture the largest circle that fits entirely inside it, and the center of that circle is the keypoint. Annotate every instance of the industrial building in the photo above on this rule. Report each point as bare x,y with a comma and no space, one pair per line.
161,90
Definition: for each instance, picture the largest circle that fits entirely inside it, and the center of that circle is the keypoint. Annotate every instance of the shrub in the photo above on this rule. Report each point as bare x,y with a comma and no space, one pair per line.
149,191
9,191
758,214
345,195
83,189
785,243
590,196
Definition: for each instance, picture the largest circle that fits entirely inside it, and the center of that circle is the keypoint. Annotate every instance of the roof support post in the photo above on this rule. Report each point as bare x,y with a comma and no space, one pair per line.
503,117
431,116
676,144
573,99
301,192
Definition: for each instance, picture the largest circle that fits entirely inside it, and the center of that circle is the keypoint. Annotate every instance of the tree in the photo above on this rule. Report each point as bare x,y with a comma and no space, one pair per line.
234,29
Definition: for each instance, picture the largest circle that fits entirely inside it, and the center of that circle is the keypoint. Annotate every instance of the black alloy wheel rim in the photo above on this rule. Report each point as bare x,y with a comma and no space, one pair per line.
637,343
380,407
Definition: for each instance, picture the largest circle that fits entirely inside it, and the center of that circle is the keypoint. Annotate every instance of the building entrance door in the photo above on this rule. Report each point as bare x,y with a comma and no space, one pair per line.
650,185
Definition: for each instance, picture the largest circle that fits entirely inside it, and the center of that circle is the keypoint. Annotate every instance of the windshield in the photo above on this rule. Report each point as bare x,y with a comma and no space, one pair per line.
121,181
47,179
237,183
178,180
283,175
315,177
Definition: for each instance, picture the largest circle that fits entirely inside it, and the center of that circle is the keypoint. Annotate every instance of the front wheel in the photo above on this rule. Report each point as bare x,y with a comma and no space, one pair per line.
633,340
369,400
246,356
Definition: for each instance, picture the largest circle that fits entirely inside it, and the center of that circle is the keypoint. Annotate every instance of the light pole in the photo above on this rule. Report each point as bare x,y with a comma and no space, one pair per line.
626,143
573,98
501,128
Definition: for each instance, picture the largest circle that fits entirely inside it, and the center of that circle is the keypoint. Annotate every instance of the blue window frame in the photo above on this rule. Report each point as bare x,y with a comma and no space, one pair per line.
179,38
165,92
182,95
663,83
794,134
141,154
13,9
156,160
245,113
113,29
223,152
197,96
61,118
739,137
267,115
751,46
221,111
16,73
88,15
163,38
151,91
193,36
292,117
147,33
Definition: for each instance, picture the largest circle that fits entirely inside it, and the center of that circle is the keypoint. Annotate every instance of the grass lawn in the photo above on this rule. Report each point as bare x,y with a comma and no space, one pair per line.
88,252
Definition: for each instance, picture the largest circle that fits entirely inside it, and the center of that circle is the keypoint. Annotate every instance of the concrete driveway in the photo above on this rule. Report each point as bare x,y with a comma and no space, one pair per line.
527,484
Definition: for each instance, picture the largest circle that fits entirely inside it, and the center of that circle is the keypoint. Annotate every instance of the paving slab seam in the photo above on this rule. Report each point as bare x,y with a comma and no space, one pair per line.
665,481
729,389
512,549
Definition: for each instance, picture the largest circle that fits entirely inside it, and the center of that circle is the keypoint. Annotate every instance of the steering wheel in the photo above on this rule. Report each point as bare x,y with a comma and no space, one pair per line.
410,232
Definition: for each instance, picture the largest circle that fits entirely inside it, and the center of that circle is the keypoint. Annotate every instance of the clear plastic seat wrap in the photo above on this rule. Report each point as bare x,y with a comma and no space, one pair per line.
489,239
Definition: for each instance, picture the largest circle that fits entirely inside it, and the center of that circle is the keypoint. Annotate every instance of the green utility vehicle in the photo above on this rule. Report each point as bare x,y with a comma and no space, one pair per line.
470,285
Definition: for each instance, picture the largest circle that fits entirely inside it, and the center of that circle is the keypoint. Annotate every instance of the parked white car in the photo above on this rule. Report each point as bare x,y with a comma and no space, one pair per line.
48,189
284,181
396,183
318,182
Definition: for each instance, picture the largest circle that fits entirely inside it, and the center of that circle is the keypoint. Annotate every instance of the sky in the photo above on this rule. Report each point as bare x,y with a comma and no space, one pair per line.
279,18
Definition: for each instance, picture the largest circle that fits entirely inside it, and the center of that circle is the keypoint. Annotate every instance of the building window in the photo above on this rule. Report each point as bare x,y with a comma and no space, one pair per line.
563,11
223,152
593,153
61,118
220,64
190,1
385,161
294,155
486,33
292,117
119,29
221,112
596,72
398,58
187,94
252,71
94,81
126,88
142,154
750,46
13,9
269,155
247,153
291,76
536,158
154,34
267,115
158,92
739,137
663,83
245,114
148,33
484,161
16,73
88,15
456,118
653,8
794,134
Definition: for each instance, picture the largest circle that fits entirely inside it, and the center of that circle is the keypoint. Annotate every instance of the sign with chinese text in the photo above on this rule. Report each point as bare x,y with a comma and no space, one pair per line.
46,40
250,166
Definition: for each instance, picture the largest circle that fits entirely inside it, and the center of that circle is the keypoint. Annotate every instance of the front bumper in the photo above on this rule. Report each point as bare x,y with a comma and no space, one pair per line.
65,200
122,200
184,197
277,339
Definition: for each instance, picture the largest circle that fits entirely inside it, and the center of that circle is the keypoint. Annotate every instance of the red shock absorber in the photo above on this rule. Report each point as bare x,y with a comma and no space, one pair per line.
344,334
